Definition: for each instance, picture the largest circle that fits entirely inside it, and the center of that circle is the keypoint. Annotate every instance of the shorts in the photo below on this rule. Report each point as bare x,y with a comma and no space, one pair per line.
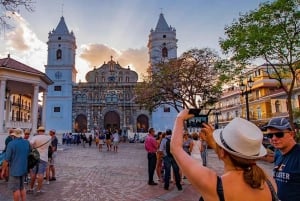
116,143
16,183
40,168
52,159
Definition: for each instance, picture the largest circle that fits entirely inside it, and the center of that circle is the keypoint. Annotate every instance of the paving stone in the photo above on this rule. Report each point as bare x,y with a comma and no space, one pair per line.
85,174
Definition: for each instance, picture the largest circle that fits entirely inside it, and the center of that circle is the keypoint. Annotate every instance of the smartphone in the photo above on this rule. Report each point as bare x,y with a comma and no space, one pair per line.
196,123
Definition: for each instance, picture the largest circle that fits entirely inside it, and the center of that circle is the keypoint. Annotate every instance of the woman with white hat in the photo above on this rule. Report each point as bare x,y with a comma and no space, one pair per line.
238,145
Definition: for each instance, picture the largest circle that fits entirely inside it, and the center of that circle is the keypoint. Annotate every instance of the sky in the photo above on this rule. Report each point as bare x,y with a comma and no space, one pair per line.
118,28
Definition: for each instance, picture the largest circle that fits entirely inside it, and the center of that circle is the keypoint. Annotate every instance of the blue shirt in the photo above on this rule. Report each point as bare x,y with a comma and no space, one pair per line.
287,174
16,154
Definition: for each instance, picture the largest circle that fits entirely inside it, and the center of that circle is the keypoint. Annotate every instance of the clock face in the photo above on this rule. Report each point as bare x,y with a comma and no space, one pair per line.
58,75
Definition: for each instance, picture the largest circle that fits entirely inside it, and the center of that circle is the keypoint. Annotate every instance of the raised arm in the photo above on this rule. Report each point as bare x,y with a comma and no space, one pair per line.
202,178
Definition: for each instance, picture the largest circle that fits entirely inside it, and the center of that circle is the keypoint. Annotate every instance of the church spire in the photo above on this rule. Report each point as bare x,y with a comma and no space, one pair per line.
162,24
62,27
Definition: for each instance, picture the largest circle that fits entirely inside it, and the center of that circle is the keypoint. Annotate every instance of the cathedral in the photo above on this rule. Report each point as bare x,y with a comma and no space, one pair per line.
107,99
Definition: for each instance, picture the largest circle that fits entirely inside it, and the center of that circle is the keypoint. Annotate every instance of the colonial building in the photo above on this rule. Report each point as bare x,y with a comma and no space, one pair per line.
20,86
106,101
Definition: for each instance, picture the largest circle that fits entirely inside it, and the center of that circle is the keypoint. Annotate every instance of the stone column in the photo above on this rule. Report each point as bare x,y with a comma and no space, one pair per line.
2,99
35,105
44,109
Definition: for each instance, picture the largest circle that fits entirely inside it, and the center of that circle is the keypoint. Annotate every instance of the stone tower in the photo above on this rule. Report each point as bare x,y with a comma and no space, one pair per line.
162,46
61,69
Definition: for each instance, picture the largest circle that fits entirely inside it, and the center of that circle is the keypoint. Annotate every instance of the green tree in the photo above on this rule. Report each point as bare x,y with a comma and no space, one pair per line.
8,7
271,33
181,82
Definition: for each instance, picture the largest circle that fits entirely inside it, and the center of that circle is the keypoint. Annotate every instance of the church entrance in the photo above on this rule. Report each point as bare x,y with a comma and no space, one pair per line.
112,120
142,124
81,124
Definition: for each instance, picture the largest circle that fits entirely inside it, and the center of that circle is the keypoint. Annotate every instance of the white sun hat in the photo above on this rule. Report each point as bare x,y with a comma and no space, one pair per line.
18,132
241,138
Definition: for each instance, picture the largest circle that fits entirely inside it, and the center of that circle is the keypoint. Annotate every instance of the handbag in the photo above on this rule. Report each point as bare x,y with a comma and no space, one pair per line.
34,156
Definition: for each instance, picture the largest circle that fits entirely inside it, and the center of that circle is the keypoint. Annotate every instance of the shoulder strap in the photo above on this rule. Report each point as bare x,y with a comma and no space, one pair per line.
274,194
220,189
43,144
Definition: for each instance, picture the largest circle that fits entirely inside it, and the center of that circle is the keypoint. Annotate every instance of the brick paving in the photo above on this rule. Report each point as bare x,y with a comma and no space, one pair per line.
85,174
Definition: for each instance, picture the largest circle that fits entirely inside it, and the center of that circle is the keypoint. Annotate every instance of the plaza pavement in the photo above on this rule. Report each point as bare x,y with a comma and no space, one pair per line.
85,174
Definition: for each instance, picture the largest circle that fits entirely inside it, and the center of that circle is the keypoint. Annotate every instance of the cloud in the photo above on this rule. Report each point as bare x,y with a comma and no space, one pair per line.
24,45
97,54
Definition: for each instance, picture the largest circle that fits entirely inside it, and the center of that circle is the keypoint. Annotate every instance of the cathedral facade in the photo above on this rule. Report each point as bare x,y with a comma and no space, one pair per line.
107,99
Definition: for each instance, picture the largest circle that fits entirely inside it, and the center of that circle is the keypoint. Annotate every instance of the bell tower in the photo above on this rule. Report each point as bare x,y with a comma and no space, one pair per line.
162,47
162,43
61,70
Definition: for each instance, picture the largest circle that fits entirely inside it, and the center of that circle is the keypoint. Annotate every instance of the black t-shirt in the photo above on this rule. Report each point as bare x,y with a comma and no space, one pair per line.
108,135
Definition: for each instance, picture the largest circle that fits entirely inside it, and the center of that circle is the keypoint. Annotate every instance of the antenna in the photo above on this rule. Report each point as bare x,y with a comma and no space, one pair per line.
62,9
161,10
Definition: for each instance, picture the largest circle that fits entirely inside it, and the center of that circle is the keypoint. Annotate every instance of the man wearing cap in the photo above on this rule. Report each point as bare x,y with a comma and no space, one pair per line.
16,157
169,162
50,175
151,148
287,159
41,142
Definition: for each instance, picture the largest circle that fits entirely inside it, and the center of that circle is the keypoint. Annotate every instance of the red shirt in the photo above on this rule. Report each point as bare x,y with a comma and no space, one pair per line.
150,144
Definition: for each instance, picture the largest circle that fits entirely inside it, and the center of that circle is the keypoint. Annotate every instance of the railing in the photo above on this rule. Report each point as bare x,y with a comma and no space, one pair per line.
18,124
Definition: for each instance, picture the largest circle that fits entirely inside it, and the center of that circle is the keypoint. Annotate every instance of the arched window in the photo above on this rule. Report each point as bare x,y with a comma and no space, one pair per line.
164,52
277,106
58,54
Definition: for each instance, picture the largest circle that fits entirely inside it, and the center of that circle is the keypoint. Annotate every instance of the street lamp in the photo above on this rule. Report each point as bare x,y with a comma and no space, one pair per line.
246,89
217,113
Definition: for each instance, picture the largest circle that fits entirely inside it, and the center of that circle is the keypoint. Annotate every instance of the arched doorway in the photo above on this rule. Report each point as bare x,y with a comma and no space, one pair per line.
112,120
142,123
80,124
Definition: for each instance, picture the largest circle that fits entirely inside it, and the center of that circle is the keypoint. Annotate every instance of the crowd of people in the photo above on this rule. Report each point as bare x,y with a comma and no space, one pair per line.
239,146
176,154
107,137
161,160
18,145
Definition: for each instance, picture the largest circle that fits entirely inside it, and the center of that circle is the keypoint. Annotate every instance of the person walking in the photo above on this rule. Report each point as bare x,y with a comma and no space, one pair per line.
16,160
239,146
116,140
151,148
287,158
41,142
169,162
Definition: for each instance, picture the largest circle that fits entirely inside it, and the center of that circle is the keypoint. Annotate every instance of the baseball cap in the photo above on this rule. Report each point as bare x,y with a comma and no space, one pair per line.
168,132
279,123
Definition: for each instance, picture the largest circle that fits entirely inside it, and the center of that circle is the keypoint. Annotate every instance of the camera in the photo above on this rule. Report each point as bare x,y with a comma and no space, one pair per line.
196,123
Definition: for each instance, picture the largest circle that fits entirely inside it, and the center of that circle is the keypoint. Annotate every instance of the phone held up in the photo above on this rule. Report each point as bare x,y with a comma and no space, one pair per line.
196,123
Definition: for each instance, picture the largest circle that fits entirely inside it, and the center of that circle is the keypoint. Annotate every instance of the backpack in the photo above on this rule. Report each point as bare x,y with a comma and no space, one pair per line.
168,148
33,158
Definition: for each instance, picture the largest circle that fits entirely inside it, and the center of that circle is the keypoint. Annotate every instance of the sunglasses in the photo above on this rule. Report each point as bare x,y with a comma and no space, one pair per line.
278,135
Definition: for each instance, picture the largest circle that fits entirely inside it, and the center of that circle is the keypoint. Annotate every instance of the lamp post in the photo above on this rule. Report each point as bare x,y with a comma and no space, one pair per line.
217,113
246,89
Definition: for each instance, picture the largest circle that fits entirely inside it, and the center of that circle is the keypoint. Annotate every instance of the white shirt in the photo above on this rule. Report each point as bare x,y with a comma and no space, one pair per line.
37,141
